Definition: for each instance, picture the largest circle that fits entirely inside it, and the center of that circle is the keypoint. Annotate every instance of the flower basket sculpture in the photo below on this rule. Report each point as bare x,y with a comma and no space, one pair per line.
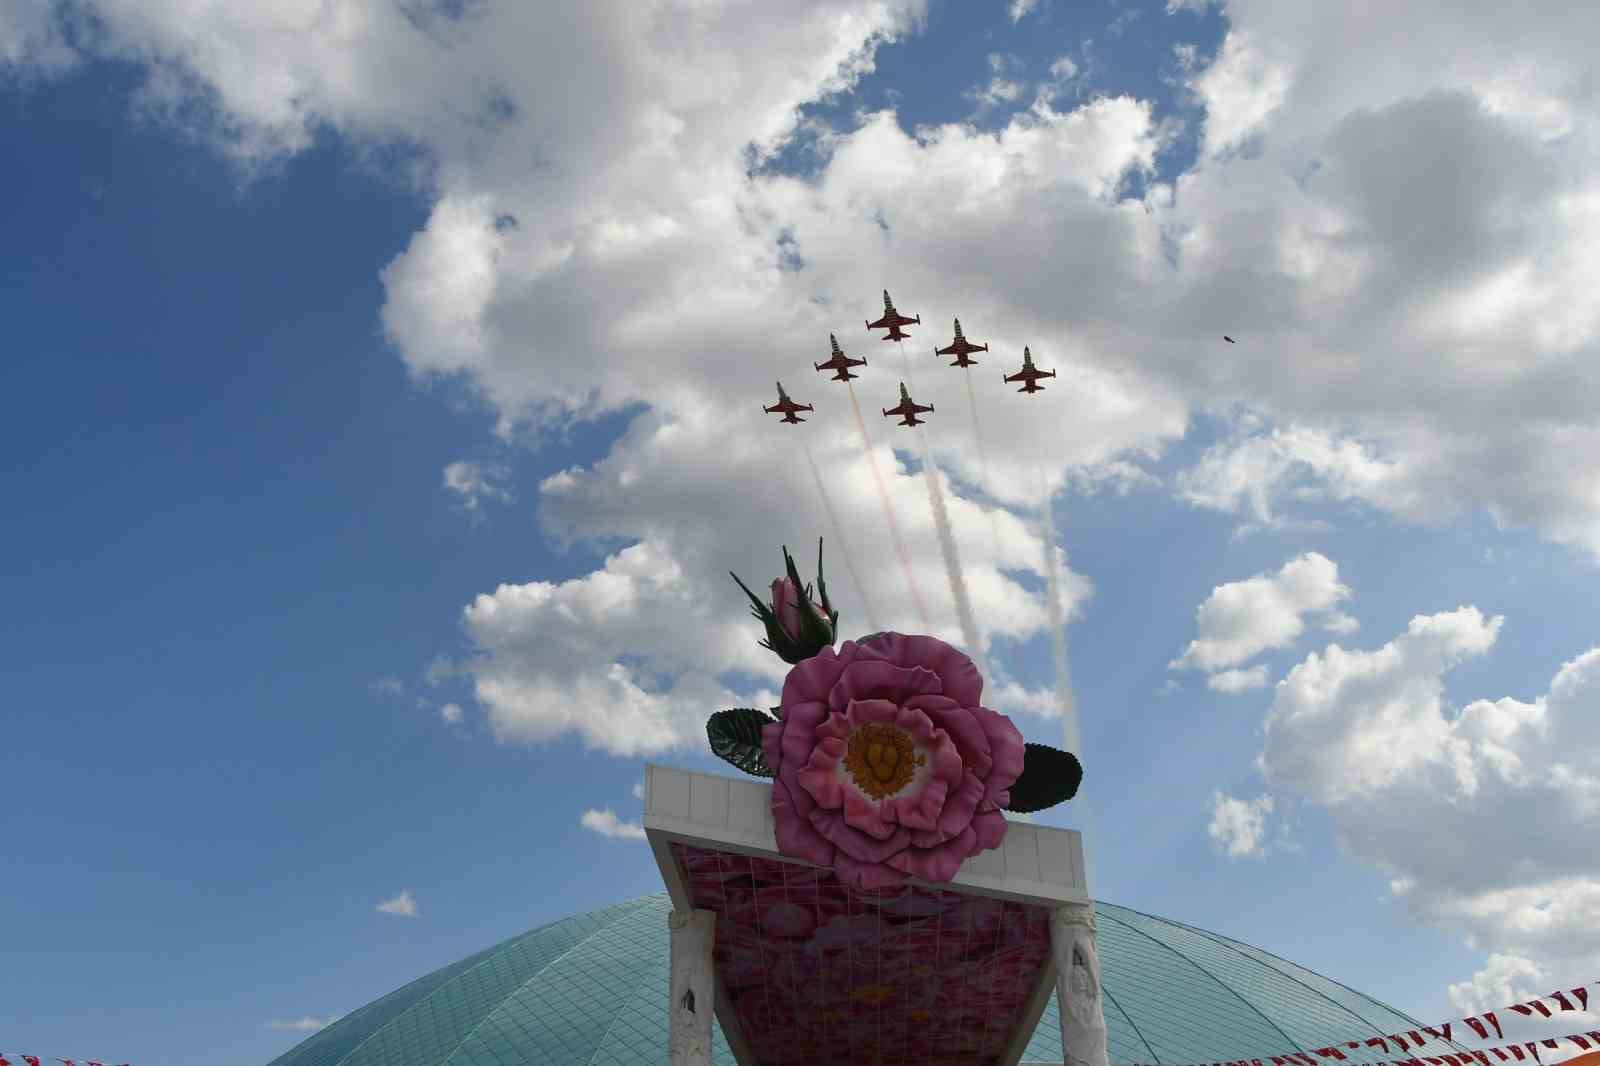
885,764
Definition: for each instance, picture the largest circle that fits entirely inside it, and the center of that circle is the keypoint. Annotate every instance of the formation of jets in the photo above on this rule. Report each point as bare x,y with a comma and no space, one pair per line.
907,409
961,348
787,406
893,320
839,362
1030,374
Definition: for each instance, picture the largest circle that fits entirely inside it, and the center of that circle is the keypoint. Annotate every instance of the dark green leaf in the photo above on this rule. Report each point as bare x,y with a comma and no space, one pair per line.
736,737
1048,777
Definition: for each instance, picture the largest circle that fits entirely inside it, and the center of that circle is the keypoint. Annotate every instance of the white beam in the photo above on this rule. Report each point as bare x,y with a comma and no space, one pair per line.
1078,999
691,988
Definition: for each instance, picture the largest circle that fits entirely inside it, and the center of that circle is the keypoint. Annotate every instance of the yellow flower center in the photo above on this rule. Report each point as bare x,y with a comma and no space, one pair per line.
881,759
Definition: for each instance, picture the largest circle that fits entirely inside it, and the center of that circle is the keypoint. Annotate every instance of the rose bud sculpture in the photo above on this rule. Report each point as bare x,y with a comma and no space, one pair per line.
796,628
886,764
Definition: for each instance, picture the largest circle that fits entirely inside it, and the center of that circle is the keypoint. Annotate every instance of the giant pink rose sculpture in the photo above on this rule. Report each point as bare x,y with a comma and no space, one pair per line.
886,764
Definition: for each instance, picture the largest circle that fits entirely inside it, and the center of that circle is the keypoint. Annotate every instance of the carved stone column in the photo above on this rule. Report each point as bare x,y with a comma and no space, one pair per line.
691,1003
1083,1021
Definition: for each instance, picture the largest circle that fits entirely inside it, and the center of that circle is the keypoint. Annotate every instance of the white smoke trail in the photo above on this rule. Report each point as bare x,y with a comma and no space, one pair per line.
888,510
983,465
844,549
1071,733
947,545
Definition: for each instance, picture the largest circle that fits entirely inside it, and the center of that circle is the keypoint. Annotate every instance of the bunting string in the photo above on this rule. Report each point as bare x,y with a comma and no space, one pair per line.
1411,1039
33,1060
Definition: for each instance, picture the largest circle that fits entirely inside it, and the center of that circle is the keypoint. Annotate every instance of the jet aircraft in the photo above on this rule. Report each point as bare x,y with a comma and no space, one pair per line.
907,409
787,406
1030,374
961,348
840,363
893,320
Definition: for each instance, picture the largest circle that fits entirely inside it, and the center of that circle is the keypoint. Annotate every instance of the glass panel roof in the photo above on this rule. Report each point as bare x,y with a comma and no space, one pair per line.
593,989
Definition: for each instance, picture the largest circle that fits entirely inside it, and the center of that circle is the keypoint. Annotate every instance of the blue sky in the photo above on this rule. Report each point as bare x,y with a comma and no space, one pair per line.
266,669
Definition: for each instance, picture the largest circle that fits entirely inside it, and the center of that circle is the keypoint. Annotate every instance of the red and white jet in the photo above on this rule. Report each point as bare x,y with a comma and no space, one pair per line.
787,406
1030,374
961,348
840,363
907,410
892,320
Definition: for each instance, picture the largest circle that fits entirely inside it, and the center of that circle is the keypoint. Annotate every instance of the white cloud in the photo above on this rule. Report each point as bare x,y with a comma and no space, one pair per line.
307,1024
1238,826
1399,203
1238,680
1244,618
606,823
1506,979
451,713
475,483
1485,820
1340,623
32,42
638,790
403,904
1017,10
389,686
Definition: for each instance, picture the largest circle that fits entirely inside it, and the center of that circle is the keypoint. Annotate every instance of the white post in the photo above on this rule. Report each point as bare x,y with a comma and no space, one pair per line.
692,1003
1083,1021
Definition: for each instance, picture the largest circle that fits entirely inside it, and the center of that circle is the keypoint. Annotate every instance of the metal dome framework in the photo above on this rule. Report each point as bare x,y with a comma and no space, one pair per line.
588,990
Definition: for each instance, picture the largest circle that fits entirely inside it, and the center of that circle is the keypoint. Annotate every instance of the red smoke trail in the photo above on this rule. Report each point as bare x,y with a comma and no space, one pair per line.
888,511
838,535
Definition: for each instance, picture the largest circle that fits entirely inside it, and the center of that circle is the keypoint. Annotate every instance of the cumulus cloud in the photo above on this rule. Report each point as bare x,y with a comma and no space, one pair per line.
606,823
1238,680
1401,202
1017,10
403,904
638,790
1507,979
1238,827
307,1024
451,713
389,686
475,483
1487,819
1241,619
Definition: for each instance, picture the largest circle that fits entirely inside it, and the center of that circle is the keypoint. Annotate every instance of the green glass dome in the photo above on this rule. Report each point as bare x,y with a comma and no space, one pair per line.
591,989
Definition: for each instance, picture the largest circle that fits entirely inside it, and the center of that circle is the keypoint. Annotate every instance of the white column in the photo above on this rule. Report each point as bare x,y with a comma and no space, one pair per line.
1083,1022
692,1003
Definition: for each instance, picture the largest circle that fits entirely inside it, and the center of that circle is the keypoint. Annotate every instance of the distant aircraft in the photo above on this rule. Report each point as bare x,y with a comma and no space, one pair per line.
787,406
893,320
1229,339
840,363
961,348
907,409
1030,373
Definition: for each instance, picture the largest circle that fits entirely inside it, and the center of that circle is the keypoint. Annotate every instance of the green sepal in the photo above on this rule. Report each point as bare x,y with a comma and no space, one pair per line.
815,633
735,737
1049,777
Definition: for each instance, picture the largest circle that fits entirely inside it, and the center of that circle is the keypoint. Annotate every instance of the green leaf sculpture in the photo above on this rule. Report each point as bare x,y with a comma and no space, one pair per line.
735,736
1048,777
